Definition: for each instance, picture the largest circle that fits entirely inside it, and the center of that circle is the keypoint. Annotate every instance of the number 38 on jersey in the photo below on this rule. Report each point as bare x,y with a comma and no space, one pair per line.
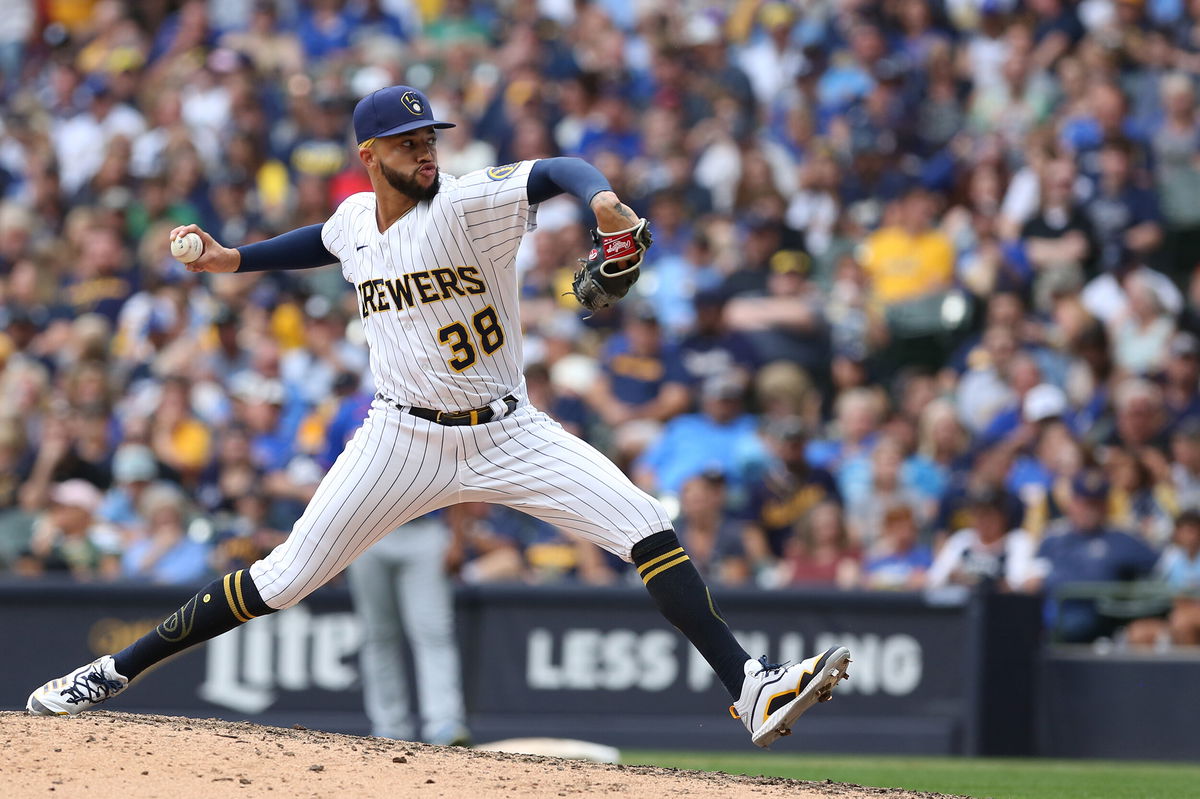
485,334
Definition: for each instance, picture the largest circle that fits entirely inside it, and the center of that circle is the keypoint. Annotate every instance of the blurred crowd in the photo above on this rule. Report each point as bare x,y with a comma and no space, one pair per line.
922,309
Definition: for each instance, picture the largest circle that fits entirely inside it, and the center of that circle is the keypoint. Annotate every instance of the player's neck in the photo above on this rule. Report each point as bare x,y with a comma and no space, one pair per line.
390,205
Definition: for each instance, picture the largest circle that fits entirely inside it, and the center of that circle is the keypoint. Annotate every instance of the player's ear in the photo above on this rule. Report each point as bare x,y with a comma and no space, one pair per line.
366,153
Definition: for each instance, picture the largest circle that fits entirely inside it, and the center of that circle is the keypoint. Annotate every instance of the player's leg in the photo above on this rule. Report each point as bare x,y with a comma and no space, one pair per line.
427,607
527,461
373,581
396,467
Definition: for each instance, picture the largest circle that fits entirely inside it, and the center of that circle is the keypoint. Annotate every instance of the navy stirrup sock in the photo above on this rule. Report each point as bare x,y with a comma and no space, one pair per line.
683,598
219,607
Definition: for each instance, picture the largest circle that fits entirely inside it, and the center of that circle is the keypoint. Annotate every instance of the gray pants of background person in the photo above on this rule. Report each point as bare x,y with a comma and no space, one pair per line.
400,591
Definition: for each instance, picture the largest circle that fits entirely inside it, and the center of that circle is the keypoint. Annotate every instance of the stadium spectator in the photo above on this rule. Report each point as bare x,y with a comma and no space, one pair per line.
819,552
1125,217
1058,240
1176,145
909,259
721,436
858,415
1085,550
134,470
161,551
478,552
1185,465
1142,332
989,554
899,561
785,323
712,537
16,462
1181,380
874,486
641,384
1179,571
785,493
711,348
1140,502
66,539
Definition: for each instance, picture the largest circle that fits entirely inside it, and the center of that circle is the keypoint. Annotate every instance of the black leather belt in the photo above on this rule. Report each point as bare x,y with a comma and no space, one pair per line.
475,416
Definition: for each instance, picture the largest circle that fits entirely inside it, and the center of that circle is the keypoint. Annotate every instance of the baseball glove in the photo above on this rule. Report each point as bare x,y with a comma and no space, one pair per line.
613,265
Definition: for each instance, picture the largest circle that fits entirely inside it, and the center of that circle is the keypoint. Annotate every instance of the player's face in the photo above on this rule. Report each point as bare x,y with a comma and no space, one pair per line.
408,162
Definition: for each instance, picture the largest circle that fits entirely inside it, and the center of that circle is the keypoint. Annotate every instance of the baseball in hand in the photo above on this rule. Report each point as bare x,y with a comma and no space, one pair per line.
187,248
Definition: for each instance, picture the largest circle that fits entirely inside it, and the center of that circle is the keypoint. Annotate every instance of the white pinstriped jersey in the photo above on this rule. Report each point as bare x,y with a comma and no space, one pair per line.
437,291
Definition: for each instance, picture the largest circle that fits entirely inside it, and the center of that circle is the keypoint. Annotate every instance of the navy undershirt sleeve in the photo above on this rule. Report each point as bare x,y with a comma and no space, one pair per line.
553,176
301,248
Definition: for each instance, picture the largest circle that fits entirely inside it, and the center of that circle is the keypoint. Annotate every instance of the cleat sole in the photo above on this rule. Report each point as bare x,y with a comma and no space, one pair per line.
820,689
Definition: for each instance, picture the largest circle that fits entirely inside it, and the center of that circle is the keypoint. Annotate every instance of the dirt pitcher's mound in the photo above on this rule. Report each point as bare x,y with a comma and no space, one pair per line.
104,755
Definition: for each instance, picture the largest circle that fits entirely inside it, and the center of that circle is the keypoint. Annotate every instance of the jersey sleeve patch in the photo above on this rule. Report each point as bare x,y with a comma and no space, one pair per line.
501,172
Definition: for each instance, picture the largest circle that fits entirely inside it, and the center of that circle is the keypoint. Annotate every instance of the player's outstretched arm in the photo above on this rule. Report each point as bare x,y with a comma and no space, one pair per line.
612,214
620,237
550,177
298,249
214,258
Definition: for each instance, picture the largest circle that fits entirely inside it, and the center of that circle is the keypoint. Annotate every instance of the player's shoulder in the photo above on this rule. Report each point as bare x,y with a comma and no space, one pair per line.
496,174
359,204
364,200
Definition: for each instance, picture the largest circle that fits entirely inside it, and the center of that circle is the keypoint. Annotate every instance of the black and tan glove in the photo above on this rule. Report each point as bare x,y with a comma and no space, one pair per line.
612,267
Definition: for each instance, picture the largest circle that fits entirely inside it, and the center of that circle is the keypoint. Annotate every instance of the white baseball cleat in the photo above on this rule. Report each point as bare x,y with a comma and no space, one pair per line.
78,691
775,695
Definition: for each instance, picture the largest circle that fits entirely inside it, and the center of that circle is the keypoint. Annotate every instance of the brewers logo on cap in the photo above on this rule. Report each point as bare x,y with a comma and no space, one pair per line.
412,103
391,111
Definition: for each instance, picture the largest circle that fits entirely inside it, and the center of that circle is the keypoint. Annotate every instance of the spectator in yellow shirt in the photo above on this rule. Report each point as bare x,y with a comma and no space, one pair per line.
910,258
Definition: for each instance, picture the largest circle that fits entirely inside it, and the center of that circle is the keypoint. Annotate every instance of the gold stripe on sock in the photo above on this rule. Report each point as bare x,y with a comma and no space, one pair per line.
232,604
659,559
237,585
663,568
713,608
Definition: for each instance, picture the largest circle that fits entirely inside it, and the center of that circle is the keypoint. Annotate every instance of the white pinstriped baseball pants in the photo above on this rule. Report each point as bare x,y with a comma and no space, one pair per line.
398,467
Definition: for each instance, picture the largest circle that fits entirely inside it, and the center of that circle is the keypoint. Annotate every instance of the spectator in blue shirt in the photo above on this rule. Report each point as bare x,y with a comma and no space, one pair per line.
674,283
1125,217
164,553
324,28
134,471
712,348
1086,551
786,493
1179,571
1181,380
901,560
716,438
352,407
641,384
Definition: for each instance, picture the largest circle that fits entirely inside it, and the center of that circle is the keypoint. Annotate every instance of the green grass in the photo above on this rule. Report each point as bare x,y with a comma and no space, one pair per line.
993,778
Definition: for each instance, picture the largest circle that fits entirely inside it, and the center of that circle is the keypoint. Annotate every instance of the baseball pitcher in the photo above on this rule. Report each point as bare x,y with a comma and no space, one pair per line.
430,257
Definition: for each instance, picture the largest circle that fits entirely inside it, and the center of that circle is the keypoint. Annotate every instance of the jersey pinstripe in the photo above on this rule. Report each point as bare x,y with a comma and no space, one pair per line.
438,290
398,467
438,297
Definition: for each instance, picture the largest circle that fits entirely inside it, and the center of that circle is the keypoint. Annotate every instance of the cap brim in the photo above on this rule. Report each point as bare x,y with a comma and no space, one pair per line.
411,126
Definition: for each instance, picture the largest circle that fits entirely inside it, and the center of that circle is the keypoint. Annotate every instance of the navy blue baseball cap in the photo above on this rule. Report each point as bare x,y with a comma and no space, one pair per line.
1090,484
391,111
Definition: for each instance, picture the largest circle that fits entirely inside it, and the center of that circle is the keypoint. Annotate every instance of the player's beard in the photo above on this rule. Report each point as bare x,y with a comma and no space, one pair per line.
411,188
